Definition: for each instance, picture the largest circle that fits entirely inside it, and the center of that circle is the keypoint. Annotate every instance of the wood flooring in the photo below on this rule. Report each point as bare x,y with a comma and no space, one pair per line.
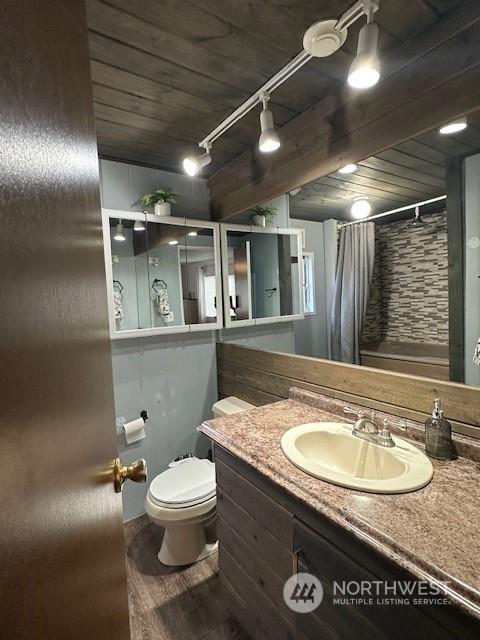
173,603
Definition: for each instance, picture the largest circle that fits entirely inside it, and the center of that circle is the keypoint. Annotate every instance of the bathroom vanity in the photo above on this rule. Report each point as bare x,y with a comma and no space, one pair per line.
274,520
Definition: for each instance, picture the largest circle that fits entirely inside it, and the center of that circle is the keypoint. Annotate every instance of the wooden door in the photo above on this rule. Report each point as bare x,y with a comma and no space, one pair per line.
62,573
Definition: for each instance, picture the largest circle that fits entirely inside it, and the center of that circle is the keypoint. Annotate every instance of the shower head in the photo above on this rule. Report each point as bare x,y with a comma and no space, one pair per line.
418,220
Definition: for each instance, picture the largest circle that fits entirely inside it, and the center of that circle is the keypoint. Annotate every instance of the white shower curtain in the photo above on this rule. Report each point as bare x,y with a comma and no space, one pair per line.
353,278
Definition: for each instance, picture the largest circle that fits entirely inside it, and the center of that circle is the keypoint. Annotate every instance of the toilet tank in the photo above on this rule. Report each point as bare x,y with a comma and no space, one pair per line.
229,406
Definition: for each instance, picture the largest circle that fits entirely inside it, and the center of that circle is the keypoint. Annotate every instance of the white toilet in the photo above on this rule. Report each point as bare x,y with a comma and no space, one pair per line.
183,501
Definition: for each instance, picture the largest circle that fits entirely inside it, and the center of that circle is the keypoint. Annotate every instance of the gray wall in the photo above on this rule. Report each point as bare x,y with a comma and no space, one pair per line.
312,335
472,266
173,377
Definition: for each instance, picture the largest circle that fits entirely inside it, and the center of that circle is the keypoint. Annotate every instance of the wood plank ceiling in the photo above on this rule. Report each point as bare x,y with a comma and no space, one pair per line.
410,172
167,72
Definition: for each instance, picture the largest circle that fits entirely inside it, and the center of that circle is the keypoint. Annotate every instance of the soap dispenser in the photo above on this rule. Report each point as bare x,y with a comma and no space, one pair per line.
438,435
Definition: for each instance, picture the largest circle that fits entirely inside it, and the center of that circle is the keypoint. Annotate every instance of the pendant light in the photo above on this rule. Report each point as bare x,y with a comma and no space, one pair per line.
269,140
365,70
193,164
119,234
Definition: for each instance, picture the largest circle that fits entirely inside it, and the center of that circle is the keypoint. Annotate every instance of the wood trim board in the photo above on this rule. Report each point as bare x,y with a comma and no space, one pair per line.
262,377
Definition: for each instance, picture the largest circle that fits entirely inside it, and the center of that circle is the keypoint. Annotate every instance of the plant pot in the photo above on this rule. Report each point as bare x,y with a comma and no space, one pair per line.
259,221
163,209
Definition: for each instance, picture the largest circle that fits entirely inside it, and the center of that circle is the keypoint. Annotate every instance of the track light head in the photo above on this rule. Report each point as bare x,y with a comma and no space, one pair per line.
269,140
119,235
365,69
361,207
193,164
139,225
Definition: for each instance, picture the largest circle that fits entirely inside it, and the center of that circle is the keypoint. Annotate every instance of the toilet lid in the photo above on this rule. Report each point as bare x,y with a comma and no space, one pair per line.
185,485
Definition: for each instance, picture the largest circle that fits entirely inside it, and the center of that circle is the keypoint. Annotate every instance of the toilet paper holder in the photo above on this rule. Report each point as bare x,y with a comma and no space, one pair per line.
144,415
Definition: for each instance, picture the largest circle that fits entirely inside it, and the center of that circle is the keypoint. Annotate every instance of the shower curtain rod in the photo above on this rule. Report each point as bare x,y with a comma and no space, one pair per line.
389,213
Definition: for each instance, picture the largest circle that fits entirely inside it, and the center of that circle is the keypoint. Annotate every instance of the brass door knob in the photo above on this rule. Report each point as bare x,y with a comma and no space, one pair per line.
137,472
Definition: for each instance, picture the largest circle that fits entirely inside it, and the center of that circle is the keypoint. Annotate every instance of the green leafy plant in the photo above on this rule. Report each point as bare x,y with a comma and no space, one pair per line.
160,195
266,212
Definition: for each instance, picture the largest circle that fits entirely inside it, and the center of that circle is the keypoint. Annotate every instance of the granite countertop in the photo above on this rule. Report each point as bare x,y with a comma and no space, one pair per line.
434,532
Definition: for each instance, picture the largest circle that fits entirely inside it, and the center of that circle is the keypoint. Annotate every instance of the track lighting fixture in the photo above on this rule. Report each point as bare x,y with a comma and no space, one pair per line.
193,164
454,127
322,39
348,168
361,207
139,226
119,235
365,69
269,140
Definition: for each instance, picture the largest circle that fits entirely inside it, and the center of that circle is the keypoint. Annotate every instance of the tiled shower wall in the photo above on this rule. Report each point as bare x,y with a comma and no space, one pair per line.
409,295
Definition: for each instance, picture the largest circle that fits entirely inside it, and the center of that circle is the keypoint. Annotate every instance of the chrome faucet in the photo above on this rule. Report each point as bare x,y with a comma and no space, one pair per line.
367,429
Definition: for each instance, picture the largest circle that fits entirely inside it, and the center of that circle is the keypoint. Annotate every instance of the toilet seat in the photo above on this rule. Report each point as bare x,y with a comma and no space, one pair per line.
188,484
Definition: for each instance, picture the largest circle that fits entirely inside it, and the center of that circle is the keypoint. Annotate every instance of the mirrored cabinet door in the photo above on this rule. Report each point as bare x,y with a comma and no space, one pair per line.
264,280
163,274
237,286
166,245
129,267
201,277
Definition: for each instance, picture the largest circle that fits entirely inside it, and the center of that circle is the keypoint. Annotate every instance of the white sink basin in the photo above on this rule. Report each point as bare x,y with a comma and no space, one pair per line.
330,451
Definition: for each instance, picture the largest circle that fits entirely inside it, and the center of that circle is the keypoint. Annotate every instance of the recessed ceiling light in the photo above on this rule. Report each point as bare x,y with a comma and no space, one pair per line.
348,168
172,242
454,127
192,233
361,207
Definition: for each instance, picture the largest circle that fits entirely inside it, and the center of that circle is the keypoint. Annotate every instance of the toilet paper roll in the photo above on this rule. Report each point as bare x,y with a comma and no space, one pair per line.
134,430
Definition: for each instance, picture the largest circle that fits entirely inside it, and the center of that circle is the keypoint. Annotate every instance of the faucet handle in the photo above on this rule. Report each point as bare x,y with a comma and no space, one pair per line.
353,412
400,424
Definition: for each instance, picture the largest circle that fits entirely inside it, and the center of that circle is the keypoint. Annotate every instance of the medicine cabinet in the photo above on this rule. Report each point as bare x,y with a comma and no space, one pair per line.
163,274
262,274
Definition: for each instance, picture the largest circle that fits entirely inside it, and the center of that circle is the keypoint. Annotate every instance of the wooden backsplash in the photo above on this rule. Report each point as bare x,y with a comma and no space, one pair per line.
262,377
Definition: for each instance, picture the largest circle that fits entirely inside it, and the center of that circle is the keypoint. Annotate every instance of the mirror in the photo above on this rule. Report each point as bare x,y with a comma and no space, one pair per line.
201,277
129,274
398,289
166,246
263,283
164,274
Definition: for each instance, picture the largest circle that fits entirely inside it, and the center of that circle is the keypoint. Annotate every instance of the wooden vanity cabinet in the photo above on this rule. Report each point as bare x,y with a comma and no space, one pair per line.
266,535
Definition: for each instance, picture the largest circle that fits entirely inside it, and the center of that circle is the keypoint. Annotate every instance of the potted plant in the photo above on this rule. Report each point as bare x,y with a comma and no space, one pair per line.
260,215
161,199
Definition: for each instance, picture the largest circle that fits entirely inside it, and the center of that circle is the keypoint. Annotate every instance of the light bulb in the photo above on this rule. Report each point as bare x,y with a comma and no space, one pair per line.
360,208
193,164
269,140
138,226
365,69
192,233
173,242
348,168
119,235
454,127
